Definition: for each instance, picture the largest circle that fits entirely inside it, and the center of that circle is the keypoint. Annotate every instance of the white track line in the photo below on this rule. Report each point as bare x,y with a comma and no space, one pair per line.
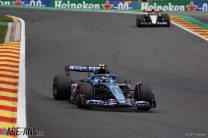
8,34
21,107
206,39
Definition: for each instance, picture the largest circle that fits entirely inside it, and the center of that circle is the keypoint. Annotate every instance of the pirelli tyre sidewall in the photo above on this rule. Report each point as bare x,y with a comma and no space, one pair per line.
85,91
139,19
62,87
166,17
143,92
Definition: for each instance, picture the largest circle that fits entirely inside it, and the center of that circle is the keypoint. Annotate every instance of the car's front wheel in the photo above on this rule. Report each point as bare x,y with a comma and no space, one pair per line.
166,19
84,92
139,19
144,93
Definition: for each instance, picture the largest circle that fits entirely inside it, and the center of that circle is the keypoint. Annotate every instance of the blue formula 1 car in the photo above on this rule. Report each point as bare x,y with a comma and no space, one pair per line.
101,89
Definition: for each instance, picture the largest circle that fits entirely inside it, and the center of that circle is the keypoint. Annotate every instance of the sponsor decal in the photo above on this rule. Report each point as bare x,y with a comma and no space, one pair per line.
201,6
165,7
73,5
176,6
188,5
191,7
5,3
119,5
18,3
35,3
107,5
21,131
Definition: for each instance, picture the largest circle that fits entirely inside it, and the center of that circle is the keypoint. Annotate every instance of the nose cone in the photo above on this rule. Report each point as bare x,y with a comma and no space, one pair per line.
153,19
121,101
116,91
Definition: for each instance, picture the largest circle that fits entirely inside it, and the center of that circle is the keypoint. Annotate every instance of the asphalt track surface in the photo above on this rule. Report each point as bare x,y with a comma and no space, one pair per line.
172,61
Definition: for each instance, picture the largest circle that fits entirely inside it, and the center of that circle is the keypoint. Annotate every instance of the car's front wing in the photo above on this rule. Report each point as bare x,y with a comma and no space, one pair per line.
150,23
113,102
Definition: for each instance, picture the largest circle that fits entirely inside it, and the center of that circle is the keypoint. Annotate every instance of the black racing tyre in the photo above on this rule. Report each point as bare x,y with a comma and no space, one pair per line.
62,87
85,91
166,17
139,19
144,93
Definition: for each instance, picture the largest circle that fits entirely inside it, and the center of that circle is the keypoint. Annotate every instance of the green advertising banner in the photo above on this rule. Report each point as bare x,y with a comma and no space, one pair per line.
132,5
165,6
78,4
176,5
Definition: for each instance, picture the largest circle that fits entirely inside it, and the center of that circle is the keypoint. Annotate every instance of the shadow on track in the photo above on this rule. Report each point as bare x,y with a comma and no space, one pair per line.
105,109
117,109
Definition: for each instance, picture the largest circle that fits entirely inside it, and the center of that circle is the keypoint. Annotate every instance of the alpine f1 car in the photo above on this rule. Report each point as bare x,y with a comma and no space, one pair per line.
101,89
153,18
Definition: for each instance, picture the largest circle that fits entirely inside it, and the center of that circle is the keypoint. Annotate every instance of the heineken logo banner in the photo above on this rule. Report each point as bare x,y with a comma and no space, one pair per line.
134,5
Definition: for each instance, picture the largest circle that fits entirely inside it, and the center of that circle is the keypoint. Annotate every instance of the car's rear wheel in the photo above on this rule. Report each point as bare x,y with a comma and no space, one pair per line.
144,93
62,87
84,92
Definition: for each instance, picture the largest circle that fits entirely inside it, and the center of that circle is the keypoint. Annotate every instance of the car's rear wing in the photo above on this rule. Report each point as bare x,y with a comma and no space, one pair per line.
152,10
81,68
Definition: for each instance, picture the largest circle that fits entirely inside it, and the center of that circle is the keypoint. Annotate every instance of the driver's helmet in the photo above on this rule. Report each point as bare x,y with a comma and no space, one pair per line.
103,78
153,11
102,69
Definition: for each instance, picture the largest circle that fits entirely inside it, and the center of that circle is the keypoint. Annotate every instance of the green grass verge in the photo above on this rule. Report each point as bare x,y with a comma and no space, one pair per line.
3,27
3,31
4,18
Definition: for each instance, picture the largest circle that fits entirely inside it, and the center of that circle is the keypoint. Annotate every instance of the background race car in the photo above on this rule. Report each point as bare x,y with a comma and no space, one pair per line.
153,18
